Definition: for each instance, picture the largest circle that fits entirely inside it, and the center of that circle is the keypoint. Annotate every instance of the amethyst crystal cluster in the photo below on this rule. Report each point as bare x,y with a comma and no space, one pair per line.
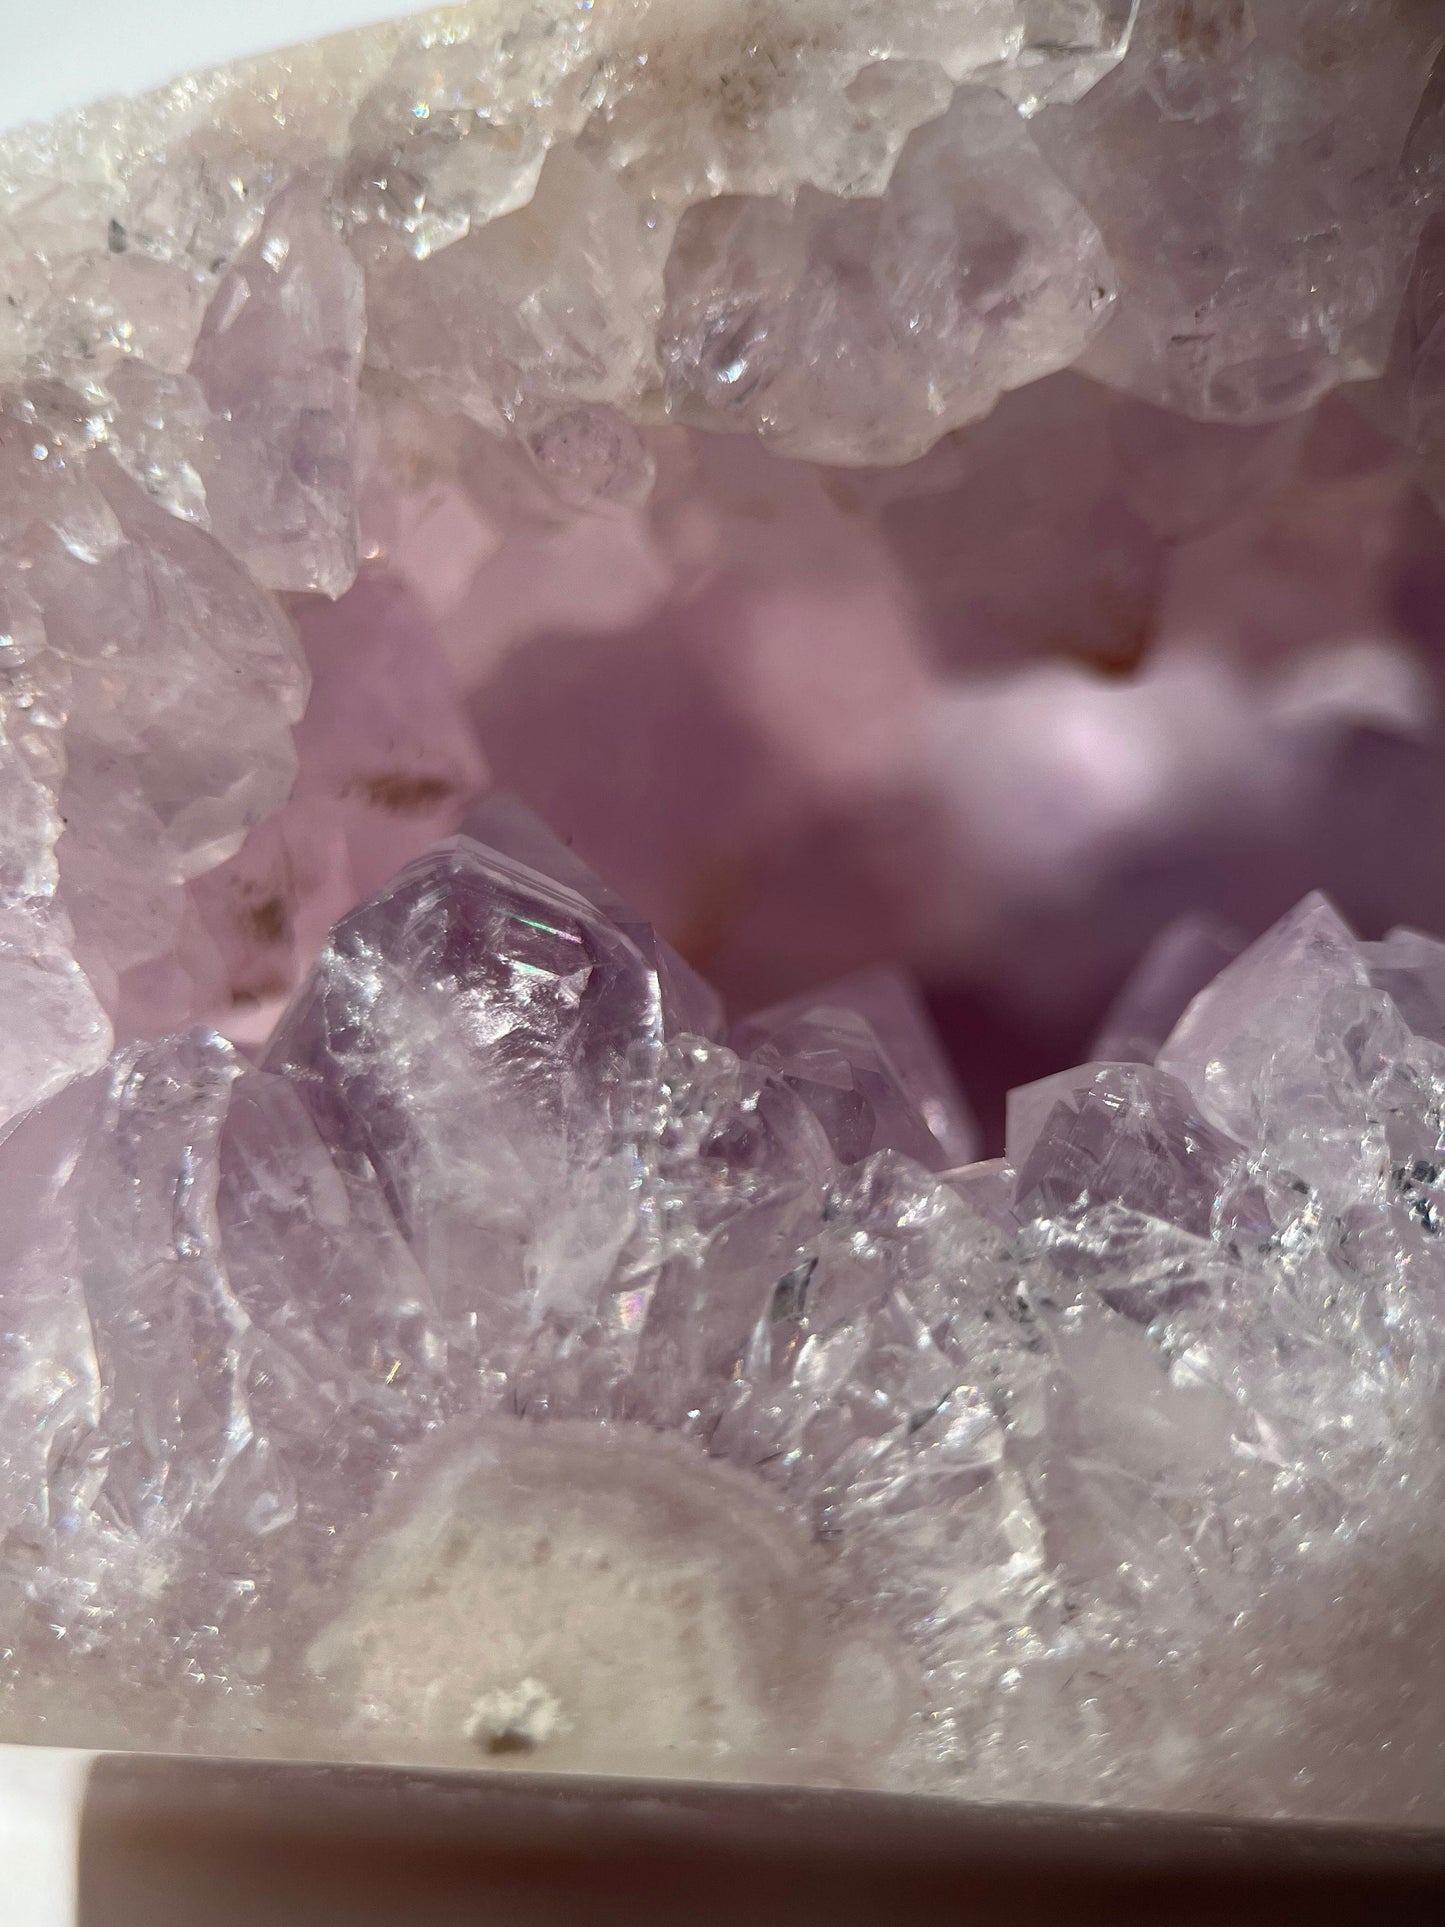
952,486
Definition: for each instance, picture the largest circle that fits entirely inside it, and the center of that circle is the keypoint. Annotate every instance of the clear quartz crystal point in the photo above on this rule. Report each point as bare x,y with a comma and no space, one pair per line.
277,361
471,1036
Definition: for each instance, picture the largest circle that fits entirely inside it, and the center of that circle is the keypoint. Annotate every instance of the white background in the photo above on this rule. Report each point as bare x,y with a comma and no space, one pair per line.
42,1789
56,54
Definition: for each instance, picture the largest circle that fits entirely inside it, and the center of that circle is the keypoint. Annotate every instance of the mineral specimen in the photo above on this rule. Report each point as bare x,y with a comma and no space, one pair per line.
1105,1452
1108,1450
432,1326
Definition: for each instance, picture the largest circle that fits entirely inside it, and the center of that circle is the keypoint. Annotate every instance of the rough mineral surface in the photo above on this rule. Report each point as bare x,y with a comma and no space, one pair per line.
938,495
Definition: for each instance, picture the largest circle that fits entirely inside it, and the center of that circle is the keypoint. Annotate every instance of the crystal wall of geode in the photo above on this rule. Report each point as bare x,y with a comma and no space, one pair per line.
954,487
474,295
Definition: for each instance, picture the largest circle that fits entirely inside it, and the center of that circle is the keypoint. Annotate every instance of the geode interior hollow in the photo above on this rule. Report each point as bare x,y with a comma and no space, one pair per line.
614,619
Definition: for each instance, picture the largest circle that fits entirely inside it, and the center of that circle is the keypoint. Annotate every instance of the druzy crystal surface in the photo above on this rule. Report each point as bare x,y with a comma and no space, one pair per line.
611,617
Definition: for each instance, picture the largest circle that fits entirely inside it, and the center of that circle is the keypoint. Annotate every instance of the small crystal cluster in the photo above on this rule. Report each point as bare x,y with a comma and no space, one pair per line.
428,1330
1109,1471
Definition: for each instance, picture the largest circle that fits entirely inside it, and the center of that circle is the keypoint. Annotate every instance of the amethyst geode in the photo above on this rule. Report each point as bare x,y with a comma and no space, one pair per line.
435,1324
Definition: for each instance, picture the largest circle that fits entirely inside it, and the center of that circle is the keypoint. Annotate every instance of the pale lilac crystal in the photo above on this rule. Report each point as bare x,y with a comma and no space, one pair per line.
1300,1049
277,361
470,1037
1122,1134
361,1335
490,318
888,999
150,685
1292,1004
56,1028
211,1296
155,1294
1410,968
1183,958
859,330
133,583
1244,166
862,1057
